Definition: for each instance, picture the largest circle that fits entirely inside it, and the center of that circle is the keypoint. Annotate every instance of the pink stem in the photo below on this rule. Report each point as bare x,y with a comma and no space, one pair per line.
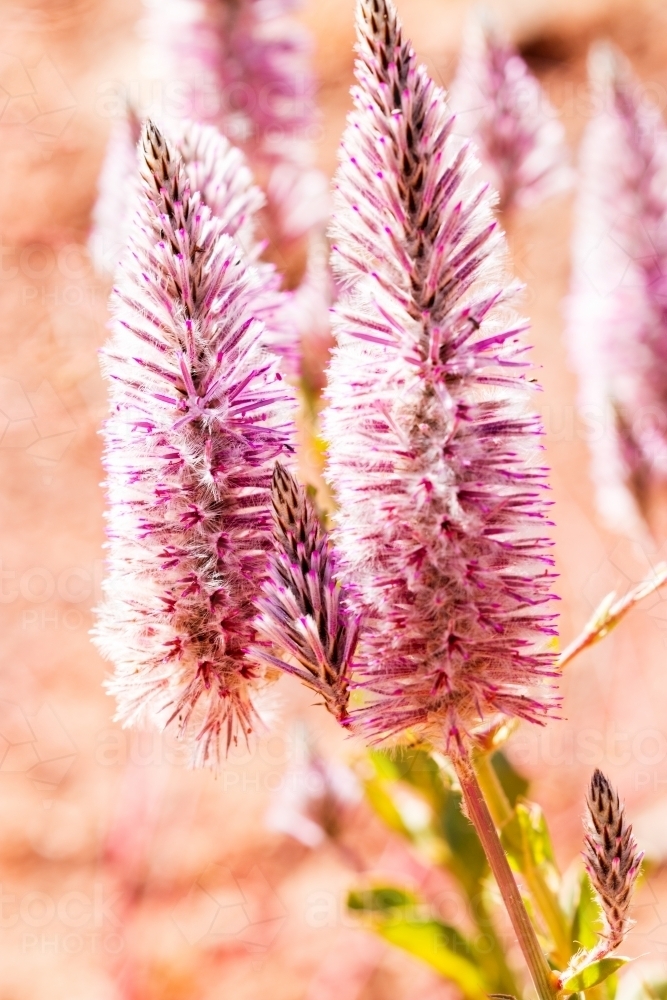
480,817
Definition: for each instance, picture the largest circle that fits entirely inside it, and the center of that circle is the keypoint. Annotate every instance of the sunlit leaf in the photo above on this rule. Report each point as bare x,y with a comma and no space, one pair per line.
526,837
443,948
382,803
380,899
586,921
594,974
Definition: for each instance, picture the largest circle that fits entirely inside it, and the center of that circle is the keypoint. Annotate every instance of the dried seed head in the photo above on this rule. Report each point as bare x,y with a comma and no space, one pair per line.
303,606
612,859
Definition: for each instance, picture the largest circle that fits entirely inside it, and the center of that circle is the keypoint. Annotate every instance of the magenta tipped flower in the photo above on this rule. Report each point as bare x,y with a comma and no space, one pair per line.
433,456
198,417
219,172
617,309
304,614
502,106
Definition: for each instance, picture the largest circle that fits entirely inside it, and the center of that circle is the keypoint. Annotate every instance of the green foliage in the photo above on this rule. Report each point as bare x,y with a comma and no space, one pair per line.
395,915
586,919
414,795
381,899
527,840
514,785
594,974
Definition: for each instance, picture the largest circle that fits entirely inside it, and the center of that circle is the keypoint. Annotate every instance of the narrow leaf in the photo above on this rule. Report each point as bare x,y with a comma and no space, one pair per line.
594,974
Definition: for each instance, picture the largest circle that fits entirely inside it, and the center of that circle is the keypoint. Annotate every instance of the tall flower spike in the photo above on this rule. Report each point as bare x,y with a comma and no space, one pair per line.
617,308
613,862
503,107
303,608
244,66
431,452
198,416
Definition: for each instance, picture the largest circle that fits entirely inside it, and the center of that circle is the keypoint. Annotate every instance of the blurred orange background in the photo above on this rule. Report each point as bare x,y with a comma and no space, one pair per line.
123,873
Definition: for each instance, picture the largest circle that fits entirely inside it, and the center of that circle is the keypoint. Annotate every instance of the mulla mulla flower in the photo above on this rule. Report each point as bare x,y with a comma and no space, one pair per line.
502,106
244,66
433,455
219,172
617,307
199,414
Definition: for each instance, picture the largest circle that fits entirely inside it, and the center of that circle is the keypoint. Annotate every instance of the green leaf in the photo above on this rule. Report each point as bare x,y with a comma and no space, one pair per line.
594,974
526,838
467,861
586,920
380,899
380,800
441,947
514,784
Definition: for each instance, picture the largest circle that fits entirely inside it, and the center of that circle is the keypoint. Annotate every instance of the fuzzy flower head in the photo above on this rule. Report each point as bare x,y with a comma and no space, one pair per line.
502,106
432,453
617,308
219,172
198,416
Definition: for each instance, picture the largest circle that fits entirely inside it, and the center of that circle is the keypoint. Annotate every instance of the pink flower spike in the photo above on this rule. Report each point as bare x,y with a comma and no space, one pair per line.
433,454
244,66
617,307
500,104
189,452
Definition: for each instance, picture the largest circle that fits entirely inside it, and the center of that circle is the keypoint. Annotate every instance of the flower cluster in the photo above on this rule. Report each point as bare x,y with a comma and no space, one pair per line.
432,454
199,414
617,308
500,103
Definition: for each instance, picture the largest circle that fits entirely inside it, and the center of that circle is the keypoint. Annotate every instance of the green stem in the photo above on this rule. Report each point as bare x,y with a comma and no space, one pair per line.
494,793
480,817
544,897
